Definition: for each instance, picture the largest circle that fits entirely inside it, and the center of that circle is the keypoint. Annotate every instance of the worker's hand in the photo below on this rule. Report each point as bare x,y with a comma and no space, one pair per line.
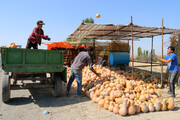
158,57
48,39
46,36
98,74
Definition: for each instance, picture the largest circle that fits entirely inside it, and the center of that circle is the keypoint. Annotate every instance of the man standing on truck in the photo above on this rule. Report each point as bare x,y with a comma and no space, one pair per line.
36,36
172,62
82,59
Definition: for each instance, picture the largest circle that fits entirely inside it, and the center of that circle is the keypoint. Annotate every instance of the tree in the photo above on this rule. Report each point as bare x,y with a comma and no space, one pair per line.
91,20
88,20
144,53
139,52
147,53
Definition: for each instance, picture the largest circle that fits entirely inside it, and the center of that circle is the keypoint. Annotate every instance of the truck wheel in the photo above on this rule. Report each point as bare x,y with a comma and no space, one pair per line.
5,87
57,90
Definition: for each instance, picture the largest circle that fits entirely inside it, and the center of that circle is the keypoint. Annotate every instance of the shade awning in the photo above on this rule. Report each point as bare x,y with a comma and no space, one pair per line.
117,32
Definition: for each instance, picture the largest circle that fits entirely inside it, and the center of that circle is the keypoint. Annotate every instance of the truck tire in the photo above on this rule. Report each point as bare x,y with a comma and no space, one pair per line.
5,87
57,90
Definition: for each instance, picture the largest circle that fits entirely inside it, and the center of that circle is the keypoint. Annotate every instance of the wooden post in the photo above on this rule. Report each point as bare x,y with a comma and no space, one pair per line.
162,56
94,54
151,54
128,46
94,43
132,48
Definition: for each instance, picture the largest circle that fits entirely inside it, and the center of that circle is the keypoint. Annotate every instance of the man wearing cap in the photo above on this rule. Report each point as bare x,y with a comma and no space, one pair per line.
82,59
36,36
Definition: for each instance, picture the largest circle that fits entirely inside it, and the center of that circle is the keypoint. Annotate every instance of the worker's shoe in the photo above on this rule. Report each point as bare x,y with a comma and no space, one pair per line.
173,96
168,92
67,94
81,95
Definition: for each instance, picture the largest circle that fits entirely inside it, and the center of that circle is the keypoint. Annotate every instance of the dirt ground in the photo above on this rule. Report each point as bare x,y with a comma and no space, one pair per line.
154,68
30,104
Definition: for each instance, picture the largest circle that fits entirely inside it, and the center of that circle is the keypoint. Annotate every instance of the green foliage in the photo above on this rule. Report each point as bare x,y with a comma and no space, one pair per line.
144,53
147,53
88,20
139,52
129,48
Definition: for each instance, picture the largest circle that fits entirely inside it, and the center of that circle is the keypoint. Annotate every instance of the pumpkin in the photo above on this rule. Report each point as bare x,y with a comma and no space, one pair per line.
127,90
102,88
151,107
99,98
94,98
117,93
119,100
132,108
138,95
112,96
107,98
91,95
138,109
87,93
157,105
151,91
111,106
112,85
163,105
142,98
101,102
131,96
106,105
170,103
123,110
109,89
105,93
147,96
98,92
116,109
119,86
144,108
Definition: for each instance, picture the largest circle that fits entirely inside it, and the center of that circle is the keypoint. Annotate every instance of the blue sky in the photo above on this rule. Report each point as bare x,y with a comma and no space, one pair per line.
62,17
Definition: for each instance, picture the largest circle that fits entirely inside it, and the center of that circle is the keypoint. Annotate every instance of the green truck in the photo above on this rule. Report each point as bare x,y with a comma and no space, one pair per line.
29,69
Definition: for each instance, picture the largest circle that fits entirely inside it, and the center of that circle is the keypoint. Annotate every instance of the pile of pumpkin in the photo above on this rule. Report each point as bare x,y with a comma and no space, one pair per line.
12,45
117,94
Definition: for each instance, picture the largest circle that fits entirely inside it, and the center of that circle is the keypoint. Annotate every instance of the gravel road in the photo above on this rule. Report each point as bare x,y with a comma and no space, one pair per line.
30,105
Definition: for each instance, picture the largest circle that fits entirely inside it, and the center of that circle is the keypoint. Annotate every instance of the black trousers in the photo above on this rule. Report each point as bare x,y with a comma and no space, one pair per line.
30,44
171,80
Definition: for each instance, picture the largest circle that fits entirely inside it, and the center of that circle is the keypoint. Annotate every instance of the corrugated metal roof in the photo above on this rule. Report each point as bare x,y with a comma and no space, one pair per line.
117,32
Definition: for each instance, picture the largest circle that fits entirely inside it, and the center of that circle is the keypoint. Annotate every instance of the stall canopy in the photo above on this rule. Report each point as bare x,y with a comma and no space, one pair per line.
121,32
117,32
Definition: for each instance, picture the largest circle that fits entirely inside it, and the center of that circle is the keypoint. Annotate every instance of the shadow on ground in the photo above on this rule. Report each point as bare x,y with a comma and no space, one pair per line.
44,98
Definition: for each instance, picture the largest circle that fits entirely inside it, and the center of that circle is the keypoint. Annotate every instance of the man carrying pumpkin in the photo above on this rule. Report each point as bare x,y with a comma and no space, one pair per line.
81,60
172,62
36,36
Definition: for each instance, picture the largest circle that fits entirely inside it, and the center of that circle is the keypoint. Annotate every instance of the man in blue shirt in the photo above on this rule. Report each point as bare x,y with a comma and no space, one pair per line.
172,62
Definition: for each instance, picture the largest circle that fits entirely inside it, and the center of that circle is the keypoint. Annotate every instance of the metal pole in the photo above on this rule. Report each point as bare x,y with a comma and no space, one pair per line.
128,46
94,54
151,54
162,56
132,48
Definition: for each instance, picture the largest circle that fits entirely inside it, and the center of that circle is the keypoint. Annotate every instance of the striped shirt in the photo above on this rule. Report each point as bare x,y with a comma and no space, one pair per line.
81,60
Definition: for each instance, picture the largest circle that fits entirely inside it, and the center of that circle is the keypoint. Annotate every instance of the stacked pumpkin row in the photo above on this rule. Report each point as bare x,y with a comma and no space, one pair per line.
117,94
12,45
